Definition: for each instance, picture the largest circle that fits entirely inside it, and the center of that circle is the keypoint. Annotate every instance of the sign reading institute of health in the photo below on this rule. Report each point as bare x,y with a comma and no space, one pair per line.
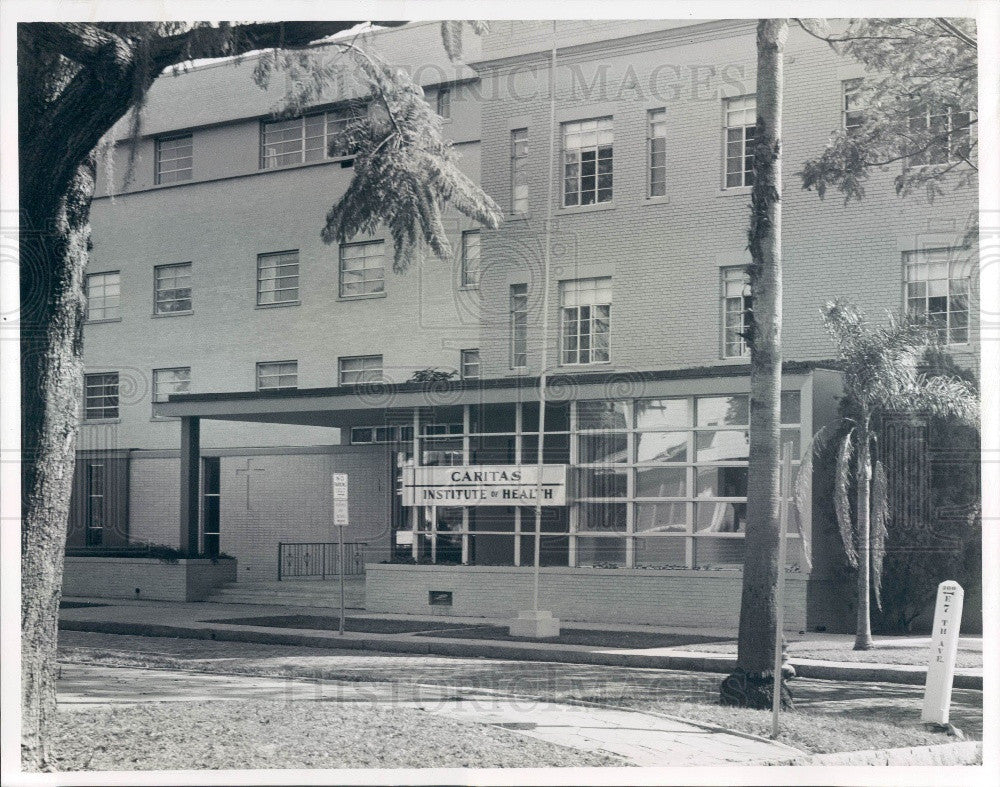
483,485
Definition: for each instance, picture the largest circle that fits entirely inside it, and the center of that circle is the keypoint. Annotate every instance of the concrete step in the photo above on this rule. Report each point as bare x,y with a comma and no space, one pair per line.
293,594
290,601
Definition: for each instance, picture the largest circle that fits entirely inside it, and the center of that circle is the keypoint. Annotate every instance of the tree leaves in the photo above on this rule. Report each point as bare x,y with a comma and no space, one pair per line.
879,529
841,499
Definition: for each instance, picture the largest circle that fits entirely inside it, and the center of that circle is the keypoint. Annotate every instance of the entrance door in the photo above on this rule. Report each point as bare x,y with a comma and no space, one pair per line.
210,496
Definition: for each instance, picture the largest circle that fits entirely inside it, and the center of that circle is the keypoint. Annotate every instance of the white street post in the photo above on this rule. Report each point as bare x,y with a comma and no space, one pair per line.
340,520
944,651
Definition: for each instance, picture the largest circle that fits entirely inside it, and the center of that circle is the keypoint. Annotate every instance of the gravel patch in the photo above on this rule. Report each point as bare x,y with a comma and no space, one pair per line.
274,734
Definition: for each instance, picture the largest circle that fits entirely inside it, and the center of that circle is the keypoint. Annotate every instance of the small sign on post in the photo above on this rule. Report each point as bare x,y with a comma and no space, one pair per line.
340,521
944,650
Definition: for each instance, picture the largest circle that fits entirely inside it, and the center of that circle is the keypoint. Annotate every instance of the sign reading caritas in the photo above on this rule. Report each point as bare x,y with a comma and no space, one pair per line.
483,485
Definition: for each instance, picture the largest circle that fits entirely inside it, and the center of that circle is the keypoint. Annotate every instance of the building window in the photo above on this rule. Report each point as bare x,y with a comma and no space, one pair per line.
381,434
444,103
301,140
657,152
852,115
361,369
518,326
278,278
172,288
95,505
100,396
941,135
362,269
470,258
586,320
173,159
104,296
937,290
736,305
170,381
588,161
741,122
274,375
519,171
470,364
210,504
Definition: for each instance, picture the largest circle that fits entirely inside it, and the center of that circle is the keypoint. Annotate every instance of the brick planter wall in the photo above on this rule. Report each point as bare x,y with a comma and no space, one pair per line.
701,599
156,580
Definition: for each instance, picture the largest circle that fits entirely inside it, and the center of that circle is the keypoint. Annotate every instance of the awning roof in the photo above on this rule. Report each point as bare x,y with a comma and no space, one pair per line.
369,403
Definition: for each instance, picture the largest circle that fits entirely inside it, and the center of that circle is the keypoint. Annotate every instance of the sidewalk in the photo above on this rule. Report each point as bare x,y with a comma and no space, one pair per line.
201,621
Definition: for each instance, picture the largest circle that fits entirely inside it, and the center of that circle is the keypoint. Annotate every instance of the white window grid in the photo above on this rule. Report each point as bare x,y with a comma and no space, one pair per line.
656,144
852,113
588,161
586,321
277,278
170,381
274,375
95,504
937,290
104,296
741,123
172,288
946,129
519,171
470,364
300,140
174,159
518,326
100,396
362,269
361,435
471,258
736,305
361,369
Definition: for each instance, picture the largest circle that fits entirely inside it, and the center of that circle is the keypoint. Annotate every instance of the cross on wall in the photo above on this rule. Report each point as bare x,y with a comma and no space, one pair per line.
246,471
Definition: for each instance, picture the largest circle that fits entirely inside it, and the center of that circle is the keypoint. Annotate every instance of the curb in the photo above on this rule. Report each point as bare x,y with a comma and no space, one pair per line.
944,754
470,649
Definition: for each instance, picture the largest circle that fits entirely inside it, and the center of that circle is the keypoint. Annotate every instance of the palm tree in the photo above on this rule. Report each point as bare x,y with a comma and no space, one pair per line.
881,378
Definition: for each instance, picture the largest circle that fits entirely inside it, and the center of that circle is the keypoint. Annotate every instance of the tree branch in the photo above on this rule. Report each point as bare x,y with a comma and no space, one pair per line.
80,42
944,24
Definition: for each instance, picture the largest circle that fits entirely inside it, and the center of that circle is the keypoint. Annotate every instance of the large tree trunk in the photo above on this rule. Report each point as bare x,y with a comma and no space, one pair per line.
752,683
53,254
863,629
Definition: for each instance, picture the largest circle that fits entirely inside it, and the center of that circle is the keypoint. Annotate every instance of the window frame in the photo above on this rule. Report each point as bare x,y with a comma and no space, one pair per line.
154,392
579,128
518,171
280,373
915,259
158,160
118,308
465,363
157,301
442,103
365,280
334,122
96,505
518,327
724,279
363,371
746,172
470,277
279,254
655,117
105,387
927,113
850,89
598,285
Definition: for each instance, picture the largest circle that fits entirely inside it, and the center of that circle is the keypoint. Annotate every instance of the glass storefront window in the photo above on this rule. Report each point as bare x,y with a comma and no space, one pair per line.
556,449
607,448
492,450
600,552
661,517
661,446
791,407
722,481
441,451
725,445
493,418
556,417
601,414
660,553
662,414
602,518
723,410
661,482
601,482
719,516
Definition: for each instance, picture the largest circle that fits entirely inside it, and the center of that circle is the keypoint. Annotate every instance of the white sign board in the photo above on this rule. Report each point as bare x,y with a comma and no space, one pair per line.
483,485
404,538
340,499
944,649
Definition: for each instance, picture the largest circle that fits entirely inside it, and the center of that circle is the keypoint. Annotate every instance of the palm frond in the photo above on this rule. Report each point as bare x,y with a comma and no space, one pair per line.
880,523
841,500
803,502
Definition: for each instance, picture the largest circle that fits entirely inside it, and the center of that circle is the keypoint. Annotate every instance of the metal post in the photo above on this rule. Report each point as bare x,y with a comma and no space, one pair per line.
340,540
190,476
785,486
279,561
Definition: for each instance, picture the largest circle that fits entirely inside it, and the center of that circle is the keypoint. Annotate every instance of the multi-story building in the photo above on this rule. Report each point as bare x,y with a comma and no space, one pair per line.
219,322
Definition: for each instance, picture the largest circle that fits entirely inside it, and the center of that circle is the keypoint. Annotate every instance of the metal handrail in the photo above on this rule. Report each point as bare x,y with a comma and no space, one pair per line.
319,559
